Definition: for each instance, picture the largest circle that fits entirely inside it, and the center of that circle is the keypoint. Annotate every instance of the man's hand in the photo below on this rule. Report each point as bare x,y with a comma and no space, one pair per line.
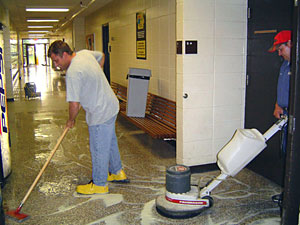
74,108
70,123
278,111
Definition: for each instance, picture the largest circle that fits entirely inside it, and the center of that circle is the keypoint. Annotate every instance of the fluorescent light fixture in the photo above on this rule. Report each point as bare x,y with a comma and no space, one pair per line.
36,36
47,10
39,27
38,31
42,20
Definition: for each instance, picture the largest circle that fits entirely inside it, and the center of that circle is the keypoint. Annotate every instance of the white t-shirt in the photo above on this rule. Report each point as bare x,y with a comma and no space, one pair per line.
86,83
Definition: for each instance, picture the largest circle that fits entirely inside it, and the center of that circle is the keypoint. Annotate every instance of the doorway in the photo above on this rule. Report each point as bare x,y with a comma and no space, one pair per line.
106,50
30,55
35,52
266,18
41,54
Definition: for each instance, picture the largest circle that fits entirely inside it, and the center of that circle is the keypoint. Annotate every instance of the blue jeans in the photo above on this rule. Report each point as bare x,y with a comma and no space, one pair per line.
104,151
283,137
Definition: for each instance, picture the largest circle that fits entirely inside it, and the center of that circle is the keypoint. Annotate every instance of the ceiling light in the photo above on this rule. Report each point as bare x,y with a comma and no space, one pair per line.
38,31
40,27
41,20
47,9
35,35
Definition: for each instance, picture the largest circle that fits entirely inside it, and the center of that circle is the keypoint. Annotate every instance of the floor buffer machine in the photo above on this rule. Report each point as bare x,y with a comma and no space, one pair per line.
181,200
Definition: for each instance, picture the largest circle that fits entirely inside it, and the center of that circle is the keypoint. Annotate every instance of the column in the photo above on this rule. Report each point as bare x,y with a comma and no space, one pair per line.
210,93
79,33
7,59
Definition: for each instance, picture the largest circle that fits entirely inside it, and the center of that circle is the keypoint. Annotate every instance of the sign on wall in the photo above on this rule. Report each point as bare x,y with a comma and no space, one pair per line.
141,52
5,150
90,42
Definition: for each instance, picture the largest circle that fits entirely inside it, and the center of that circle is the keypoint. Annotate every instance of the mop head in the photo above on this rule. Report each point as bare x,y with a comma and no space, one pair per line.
17,216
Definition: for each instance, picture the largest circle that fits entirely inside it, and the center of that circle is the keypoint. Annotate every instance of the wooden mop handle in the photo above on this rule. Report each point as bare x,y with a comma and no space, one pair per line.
44,167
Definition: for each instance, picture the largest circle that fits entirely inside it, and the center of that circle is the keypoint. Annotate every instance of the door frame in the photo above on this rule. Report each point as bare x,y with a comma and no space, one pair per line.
27,58
291,195
106,50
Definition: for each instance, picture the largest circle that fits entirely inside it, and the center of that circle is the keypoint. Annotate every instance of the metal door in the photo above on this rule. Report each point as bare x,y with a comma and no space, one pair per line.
265,19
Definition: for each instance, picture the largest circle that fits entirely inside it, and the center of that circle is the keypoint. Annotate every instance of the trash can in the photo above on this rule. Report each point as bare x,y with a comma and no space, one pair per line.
137,90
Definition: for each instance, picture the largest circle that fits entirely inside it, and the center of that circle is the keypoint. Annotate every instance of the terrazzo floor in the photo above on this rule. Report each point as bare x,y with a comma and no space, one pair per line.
35,126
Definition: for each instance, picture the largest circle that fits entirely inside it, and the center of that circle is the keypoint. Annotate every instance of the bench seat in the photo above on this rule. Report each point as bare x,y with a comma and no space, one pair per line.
160,117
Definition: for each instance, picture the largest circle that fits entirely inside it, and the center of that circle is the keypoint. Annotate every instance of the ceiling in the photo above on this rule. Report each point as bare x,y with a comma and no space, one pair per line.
18,14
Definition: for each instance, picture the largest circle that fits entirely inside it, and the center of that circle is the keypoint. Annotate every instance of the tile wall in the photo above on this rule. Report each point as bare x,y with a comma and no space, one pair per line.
78,29
213,79
160,35
7,56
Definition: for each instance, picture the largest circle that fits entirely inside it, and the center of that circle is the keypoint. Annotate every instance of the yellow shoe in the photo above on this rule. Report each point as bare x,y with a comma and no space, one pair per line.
91,188
120,177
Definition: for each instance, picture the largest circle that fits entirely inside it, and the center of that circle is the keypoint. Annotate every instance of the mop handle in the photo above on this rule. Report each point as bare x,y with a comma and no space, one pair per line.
44,167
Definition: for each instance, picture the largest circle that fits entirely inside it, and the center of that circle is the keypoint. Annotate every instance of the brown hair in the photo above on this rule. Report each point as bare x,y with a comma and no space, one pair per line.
58,48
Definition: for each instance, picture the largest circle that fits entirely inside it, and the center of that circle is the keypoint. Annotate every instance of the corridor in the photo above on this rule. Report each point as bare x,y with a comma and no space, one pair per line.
36,125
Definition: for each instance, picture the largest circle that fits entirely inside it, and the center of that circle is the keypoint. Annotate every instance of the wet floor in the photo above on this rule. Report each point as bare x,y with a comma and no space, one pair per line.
36,125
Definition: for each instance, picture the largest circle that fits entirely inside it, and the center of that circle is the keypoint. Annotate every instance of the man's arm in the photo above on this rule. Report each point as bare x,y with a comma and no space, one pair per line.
278,111
102,60
100,57
74,108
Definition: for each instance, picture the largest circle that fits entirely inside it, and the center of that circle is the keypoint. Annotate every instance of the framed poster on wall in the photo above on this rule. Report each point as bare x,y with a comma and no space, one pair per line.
90,42
141,52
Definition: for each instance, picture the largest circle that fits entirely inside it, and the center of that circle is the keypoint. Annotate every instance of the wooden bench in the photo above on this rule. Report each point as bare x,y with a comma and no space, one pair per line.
160,117
121,93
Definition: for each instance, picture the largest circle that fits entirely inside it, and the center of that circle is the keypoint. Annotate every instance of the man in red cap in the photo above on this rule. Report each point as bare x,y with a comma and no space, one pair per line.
282,44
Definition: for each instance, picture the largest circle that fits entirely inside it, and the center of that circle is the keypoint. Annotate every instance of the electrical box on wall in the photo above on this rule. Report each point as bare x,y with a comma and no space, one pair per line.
178,47
191,47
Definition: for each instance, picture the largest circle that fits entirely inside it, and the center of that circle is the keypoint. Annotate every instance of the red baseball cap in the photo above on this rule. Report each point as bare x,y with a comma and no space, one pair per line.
281,37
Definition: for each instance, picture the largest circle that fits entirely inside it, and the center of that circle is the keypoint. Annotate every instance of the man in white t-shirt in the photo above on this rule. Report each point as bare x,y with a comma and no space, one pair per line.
87,86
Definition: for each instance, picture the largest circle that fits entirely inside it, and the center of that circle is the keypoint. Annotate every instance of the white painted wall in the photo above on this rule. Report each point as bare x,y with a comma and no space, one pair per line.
7,58
160,35
78,33
214,79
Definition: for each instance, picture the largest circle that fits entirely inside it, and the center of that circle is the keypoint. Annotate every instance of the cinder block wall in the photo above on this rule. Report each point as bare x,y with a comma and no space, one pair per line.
160,36
213,79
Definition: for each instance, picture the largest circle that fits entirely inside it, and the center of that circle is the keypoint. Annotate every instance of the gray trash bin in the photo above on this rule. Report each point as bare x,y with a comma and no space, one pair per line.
138,84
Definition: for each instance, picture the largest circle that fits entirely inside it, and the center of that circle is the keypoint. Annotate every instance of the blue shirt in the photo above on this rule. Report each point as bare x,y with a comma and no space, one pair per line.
283,85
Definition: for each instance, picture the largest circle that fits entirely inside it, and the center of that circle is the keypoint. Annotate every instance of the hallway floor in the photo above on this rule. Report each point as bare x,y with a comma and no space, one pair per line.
35,126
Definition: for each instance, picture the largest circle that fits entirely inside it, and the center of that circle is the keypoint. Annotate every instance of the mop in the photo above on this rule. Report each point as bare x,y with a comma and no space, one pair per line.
16,214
